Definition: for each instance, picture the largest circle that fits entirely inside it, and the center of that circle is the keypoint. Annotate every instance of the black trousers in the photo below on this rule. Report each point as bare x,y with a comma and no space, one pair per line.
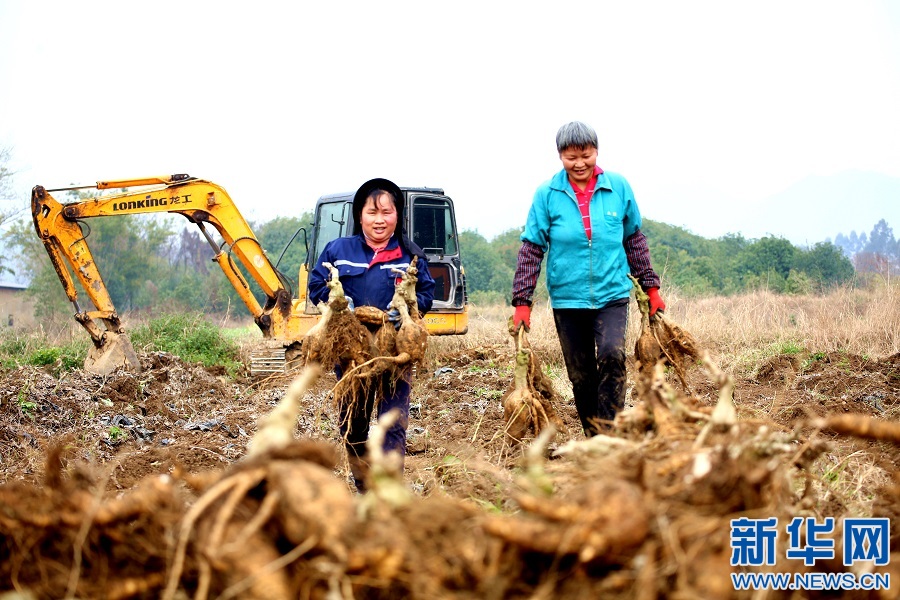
354,424
382,396
593,344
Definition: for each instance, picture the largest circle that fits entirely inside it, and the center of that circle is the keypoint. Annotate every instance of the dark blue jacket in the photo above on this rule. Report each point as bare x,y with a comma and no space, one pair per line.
368,283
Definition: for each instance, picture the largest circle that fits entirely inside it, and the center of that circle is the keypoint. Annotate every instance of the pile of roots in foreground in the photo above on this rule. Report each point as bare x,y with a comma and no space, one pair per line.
643,512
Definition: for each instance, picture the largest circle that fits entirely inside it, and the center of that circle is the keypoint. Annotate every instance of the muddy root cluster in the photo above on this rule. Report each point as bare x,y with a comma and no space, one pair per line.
363,342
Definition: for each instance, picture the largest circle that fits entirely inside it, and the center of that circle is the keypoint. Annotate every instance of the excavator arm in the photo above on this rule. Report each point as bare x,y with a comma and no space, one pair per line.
201,202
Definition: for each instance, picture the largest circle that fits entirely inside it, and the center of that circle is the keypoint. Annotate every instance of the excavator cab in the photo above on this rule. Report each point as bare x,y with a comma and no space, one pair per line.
430,223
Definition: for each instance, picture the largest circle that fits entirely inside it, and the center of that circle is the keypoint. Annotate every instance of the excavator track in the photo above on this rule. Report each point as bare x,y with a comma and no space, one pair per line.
267,361
273,357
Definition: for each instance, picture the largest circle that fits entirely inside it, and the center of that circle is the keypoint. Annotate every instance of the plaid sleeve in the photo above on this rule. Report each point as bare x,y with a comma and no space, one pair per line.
638,254
528,267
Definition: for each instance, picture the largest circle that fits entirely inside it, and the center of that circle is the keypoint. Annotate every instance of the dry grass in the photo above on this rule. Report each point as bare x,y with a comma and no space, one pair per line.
865,322
739,331
742,329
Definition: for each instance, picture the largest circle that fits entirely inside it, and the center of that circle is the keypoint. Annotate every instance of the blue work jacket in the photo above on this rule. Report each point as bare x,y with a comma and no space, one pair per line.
584,273
368,283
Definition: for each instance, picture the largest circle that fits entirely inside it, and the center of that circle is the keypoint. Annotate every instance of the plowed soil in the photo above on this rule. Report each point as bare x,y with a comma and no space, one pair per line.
136,486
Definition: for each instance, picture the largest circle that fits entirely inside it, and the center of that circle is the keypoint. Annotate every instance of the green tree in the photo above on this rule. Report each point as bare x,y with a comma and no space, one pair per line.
730,245
488,277
798,282
8,209
767,262
507,245
826,264
44,287
129,252
286,235
6,175
196,283
881,240
29,255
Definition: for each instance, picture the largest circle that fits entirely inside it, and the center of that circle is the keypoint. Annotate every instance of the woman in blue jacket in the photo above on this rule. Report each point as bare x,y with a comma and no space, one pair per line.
587,223
365,261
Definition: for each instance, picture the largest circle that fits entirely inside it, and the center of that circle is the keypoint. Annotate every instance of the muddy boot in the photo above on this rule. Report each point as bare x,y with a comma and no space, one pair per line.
359,469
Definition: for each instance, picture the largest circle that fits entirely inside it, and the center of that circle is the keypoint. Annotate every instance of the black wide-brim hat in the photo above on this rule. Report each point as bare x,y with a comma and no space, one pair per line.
363,193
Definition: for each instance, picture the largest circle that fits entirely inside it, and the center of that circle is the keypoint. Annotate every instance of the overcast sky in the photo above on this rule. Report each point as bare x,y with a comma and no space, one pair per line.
703,106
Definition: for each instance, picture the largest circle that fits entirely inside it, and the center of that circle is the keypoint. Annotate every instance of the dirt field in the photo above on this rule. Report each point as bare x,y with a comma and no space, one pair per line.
136,486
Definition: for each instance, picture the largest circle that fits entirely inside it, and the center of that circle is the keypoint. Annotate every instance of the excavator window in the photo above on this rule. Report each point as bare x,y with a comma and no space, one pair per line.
432,226
332,222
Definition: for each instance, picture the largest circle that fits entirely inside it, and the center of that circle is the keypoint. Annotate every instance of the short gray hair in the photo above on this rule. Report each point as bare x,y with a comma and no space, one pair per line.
575,135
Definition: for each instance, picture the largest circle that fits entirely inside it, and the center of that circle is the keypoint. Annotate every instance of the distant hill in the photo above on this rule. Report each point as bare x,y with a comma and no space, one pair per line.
821,207
810,211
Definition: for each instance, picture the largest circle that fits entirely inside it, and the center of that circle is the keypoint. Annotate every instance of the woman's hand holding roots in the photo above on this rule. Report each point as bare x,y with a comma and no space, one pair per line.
340,338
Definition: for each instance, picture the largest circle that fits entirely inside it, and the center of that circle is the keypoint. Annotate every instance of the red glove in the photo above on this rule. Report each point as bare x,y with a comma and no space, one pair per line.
522,315
656,303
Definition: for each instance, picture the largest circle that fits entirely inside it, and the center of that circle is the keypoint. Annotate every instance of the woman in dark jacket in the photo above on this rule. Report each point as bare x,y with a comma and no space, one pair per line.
364,262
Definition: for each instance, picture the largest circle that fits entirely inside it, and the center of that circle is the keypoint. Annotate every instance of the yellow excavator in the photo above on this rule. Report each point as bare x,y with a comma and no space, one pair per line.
283,319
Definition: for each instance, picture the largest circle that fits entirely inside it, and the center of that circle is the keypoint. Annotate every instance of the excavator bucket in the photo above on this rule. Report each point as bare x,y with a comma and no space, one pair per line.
114,352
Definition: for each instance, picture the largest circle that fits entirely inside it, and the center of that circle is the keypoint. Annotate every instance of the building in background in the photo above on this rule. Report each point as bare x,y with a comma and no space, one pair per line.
16,306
